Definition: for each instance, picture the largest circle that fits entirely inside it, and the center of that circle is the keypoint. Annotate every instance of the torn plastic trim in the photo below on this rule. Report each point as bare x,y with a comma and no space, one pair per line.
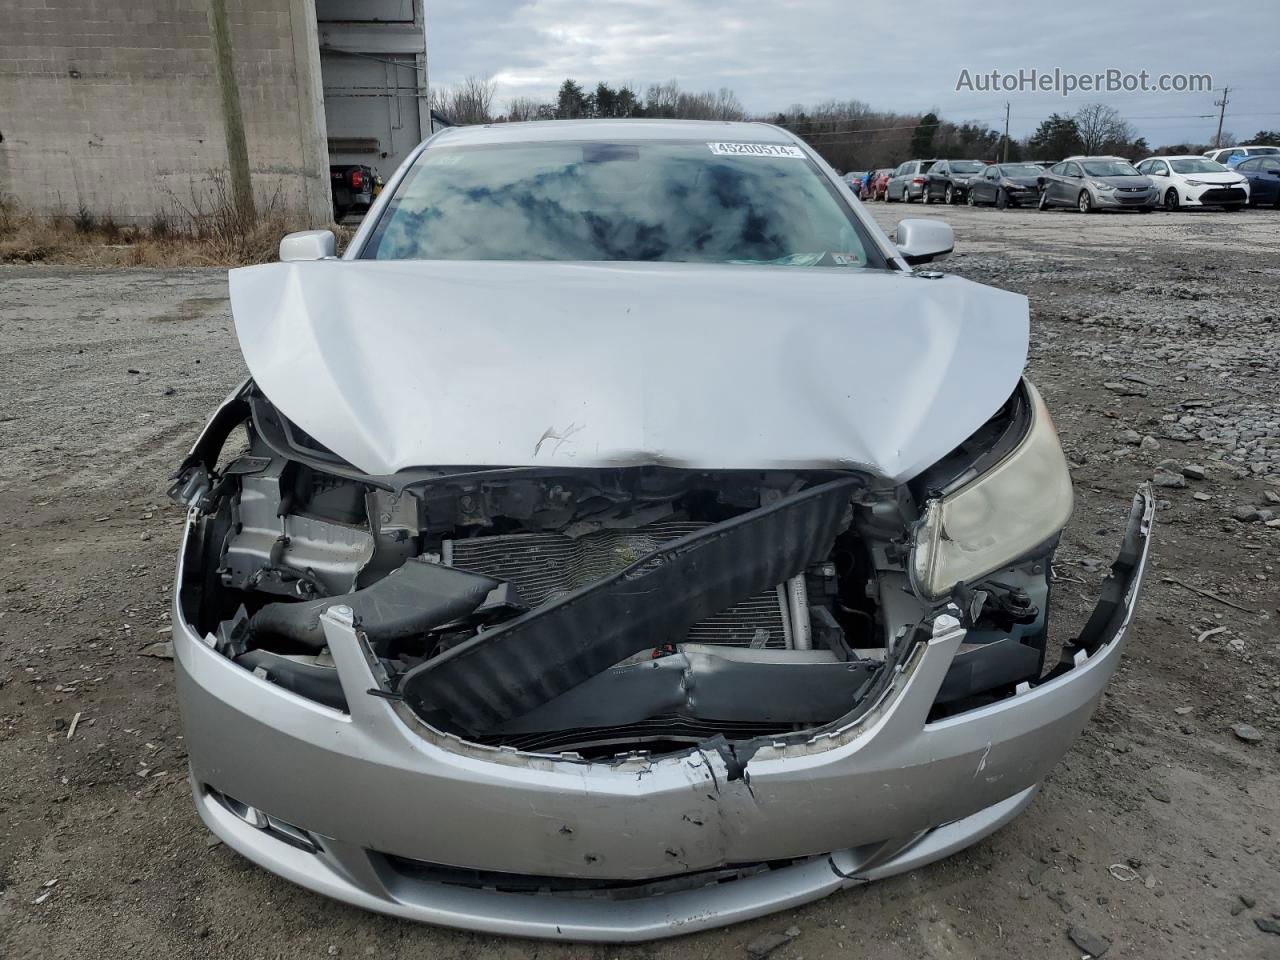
195,480
1109,613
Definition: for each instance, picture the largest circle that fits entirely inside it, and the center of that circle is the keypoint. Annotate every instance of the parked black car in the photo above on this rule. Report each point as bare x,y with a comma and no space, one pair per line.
354,186
1007,185
949,180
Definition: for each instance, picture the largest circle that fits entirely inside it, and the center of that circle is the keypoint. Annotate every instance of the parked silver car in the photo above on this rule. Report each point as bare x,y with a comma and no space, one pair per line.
1090,184
907,180
612,564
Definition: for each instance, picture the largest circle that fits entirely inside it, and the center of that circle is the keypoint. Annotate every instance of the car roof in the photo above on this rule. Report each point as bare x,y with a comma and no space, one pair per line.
544,131
1177,156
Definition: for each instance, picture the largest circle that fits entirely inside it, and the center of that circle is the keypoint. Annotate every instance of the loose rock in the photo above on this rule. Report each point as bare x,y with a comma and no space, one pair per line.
1088,941
1247,733
765,945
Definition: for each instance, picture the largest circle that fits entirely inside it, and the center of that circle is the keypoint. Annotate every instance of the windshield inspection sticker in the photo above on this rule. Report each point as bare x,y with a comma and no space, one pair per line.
757,150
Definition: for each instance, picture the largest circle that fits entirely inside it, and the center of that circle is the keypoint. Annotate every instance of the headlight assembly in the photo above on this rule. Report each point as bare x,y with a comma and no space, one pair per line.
1017,505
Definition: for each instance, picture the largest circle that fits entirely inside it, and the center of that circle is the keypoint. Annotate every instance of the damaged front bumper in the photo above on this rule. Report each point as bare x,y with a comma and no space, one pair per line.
377,809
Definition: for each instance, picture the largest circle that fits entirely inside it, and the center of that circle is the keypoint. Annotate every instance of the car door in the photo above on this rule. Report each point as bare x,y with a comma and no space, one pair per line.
935,181
1070,182
1264,178
892,187
1159,172
985,185
1053,182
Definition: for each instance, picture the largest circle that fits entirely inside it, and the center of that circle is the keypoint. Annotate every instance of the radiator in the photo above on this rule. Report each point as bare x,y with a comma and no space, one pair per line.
544,566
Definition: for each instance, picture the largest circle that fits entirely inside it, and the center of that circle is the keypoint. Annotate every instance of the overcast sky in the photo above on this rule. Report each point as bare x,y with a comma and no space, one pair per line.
907,58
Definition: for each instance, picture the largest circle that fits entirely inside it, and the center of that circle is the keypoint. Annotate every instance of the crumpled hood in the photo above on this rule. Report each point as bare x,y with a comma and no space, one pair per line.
447,363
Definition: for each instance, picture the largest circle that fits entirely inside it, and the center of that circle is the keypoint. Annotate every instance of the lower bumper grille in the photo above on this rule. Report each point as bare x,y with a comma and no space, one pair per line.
1223,195
544,566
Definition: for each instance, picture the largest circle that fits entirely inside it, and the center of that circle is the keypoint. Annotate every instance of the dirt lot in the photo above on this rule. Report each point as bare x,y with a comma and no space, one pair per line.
1154,338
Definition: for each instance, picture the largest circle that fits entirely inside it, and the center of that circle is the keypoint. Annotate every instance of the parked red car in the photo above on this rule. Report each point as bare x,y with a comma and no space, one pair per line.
876,188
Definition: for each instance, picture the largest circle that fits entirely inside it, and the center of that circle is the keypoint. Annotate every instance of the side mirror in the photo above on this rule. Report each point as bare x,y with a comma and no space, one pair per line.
309,245
922,241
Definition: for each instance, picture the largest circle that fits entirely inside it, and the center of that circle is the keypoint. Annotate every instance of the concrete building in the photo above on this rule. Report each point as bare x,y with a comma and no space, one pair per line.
164,106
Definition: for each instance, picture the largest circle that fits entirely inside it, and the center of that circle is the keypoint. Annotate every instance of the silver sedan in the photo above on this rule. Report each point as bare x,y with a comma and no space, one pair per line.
610,564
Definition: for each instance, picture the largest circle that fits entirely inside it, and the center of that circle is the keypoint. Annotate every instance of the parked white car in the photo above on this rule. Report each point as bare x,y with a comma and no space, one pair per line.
1191,181
1233,155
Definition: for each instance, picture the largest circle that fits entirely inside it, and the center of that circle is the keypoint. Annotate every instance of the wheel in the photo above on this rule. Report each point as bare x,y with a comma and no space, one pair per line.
1171,199
1084,202
924,194
971,200
1002,198
906,193
1042,202
887,197
949,197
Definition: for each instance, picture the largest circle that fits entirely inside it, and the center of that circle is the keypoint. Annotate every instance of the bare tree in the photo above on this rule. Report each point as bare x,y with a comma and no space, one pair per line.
524,108
1102,128
471,101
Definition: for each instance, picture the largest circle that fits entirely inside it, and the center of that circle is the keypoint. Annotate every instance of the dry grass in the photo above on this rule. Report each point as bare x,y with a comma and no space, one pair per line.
208,235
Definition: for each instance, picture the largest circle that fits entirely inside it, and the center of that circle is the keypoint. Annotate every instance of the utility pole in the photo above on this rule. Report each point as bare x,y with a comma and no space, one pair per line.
1005,159
1222,105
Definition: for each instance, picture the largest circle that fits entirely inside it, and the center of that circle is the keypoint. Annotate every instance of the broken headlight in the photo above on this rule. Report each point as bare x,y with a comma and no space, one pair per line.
1017,505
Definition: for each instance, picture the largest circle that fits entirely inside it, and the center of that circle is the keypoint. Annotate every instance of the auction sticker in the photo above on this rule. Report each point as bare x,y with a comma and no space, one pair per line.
757,150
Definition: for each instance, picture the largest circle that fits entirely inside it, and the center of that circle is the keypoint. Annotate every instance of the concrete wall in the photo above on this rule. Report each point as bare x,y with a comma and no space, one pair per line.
118,107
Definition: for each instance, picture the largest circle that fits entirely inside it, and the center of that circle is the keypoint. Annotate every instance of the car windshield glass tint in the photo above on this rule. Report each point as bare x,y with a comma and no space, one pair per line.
620,201
1021,170
965,166
1109,168
926,165
1263,151
1197,165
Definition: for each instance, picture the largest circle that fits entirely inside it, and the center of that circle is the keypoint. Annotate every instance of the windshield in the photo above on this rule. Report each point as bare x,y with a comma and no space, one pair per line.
965,166
1021,170
628,200
1109,168
1197,165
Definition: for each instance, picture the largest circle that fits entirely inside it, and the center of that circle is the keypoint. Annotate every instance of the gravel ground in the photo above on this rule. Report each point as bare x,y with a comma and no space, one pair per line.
1155,341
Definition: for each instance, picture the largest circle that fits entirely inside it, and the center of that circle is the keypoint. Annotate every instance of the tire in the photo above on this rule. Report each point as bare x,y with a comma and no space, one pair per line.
1084,202
925,196
906,193
1145,209
887,198
1042,201
948,196
970,199
1002,199
1233,208
1171,200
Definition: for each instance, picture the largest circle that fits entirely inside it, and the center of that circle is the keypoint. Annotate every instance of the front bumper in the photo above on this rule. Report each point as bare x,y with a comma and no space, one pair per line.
387,808
1214,195
1118,200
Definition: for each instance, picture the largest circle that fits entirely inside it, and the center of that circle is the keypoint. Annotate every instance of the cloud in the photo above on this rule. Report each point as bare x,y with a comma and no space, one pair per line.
899,58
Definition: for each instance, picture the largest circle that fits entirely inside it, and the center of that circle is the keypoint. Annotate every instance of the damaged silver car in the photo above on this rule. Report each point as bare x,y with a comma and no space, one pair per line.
622,539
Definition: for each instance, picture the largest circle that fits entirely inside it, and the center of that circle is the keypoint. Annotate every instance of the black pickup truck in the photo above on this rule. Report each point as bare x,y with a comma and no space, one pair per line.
354,186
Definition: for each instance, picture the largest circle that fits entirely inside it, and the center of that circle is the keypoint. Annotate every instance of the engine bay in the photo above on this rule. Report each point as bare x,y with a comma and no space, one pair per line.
591,611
